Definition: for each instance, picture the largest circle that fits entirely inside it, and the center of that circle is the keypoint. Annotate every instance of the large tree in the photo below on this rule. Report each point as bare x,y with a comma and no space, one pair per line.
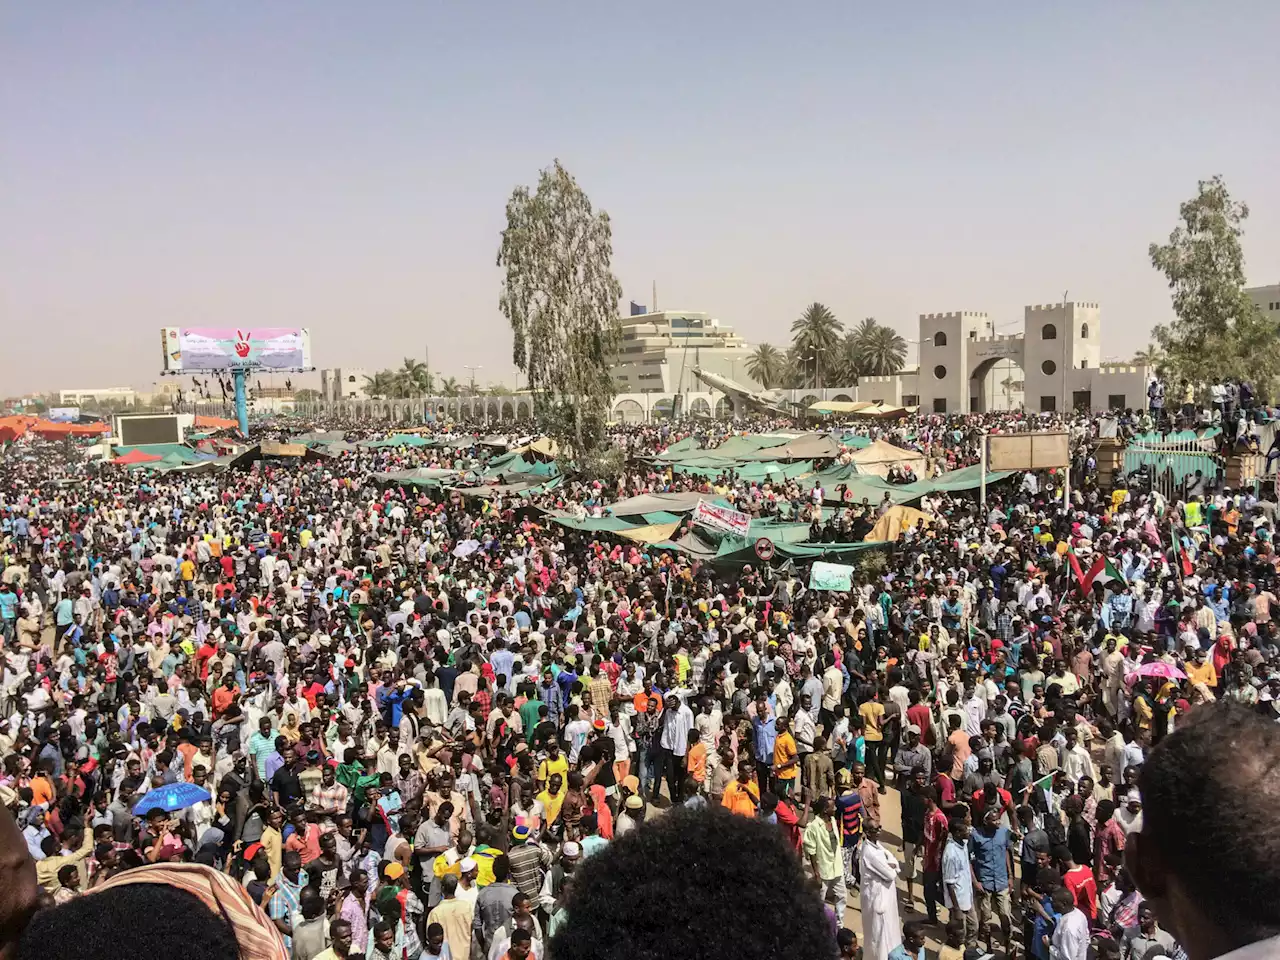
813,333
1217,330
380,385
561,298
766,365
413,379
1148,356
880,350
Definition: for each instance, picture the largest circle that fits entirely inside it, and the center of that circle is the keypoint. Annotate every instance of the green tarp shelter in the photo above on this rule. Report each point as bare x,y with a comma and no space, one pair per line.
873,489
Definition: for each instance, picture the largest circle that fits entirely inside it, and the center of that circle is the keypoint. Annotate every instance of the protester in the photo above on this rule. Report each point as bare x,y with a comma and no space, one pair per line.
424,684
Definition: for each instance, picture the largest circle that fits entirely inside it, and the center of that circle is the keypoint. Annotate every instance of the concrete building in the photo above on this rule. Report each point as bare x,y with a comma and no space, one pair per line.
343,383
660,349
965,367
1058,354
125,396
1267,299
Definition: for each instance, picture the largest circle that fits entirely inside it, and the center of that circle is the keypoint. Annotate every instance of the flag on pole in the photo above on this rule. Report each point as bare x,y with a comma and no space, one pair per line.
1045,784
1102,570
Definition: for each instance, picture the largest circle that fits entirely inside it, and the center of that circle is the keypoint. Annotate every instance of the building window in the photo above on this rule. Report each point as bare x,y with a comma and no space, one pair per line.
973,334
1048,404
939,339
1084,331
940,372
1048,332
1048,368
1115,401
910,400
351,379
1084,364
939,405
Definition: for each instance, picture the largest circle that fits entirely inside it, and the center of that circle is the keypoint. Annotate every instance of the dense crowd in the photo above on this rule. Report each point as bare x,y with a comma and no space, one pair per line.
408,750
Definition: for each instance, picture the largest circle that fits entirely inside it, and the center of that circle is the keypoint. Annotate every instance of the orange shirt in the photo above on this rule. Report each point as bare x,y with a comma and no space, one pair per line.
784,751
307,845
741,798
697,764
641,702
42,791
222,698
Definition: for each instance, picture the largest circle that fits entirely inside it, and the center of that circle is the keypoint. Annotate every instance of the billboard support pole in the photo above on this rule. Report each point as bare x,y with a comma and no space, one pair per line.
242,405
982,459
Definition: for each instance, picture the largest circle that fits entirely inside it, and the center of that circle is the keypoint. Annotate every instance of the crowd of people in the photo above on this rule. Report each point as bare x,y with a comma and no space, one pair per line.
403,750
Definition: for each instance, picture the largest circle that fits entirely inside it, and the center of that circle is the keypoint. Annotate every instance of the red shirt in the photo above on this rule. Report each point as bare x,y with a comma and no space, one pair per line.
935,839
789,823
980,802
919,715
311,693
946,788
1082,886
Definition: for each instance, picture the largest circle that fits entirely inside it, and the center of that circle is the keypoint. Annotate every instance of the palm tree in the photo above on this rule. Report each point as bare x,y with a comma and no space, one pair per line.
845,362
766,365
381,385
413,379
449,387
816,330
880,351
797,370
1148,356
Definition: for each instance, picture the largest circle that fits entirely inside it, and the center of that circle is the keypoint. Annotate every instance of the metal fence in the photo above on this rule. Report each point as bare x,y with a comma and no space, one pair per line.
1171,460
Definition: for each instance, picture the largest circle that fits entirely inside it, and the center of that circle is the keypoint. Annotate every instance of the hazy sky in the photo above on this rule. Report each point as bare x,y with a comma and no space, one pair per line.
345,166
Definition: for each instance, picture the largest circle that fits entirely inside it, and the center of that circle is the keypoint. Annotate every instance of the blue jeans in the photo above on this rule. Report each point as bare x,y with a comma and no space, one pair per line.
648,770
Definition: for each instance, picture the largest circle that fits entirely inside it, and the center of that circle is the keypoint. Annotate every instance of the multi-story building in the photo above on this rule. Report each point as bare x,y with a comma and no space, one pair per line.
123,396
1058,354
660,349
343,383
1267,299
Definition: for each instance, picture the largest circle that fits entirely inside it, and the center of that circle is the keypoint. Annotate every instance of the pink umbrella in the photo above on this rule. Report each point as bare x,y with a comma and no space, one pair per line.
1159,669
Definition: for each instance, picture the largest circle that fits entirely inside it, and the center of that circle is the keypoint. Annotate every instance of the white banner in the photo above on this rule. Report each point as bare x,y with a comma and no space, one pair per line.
722,518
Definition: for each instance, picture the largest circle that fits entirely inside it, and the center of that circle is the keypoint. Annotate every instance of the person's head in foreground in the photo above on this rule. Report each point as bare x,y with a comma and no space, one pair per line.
1208,856
144,921
701,884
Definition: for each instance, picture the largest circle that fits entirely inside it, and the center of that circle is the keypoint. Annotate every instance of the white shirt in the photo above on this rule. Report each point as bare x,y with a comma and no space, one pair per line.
1070,937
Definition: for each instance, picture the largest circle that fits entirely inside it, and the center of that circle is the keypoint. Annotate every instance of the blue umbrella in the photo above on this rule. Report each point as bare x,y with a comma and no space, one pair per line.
173,796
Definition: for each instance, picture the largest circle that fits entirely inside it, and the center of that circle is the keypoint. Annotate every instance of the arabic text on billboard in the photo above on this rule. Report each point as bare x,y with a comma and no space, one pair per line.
722,518
216,348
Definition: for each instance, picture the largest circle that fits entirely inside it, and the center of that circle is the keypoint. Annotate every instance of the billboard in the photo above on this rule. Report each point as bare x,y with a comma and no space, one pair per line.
722,518
201,349
133,430
63,415
1028,451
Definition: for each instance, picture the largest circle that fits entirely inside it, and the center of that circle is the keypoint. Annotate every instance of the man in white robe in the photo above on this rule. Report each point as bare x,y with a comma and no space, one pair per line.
878,897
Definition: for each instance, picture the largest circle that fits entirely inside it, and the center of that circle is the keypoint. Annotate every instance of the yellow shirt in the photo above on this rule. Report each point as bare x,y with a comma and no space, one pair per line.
188,570
273,843
1204,673
872,717
552,802
304,538
548,767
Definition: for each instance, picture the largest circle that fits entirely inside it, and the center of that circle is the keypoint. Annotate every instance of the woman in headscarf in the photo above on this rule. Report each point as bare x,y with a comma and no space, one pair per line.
1221,655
